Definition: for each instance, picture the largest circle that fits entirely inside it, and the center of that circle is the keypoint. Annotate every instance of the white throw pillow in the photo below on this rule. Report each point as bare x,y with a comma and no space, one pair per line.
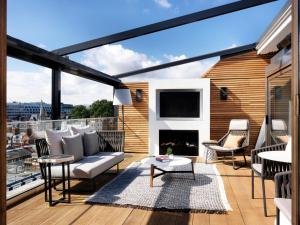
72,145
81,130
53,138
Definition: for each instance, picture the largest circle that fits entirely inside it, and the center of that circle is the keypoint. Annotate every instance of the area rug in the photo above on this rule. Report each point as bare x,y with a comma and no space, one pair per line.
171,192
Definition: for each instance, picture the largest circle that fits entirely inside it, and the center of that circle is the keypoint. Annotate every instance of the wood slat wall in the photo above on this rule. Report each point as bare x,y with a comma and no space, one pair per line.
244,76
136,120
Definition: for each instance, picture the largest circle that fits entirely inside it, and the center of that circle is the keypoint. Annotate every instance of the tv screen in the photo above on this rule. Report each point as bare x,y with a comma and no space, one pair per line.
180,104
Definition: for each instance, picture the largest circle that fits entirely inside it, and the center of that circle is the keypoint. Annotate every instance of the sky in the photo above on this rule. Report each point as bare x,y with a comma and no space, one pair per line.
52,24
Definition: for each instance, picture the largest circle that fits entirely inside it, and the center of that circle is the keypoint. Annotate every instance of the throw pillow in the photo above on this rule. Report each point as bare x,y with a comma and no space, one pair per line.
91,143
234,141
53,138
81,130
72,145
283,138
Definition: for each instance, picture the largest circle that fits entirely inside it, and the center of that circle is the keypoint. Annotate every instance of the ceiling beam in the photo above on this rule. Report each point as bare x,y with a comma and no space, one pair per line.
27,52
222,53
163,25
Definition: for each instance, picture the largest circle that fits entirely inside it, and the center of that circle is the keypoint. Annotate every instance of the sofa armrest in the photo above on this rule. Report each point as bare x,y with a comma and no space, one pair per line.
111,140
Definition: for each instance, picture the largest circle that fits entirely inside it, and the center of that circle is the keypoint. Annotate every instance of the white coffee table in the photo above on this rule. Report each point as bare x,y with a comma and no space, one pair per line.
167,167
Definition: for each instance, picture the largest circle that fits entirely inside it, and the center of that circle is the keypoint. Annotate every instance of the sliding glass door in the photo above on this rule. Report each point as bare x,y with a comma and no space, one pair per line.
279,105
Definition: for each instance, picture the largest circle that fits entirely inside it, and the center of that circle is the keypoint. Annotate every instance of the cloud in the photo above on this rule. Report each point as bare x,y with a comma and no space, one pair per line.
115,59
29,86
112,59
34,86
41,45
163,3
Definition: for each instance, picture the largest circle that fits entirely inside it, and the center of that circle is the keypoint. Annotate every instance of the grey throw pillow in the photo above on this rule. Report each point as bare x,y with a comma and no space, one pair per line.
91,143
72,145
53,138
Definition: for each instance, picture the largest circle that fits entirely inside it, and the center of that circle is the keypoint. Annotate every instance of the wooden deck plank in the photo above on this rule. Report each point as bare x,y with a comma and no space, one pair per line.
237,184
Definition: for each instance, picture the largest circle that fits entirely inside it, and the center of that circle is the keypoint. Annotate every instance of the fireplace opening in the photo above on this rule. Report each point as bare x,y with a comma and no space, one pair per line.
182,142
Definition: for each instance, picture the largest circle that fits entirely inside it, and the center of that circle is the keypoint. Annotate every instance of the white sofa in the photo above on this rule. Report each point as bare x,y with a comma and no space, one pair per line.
90,166
107,151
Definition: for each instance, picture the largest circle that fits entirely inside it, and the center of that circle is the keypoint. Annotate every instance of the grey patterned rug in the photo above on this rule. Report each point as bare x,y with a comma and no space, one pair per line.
171,192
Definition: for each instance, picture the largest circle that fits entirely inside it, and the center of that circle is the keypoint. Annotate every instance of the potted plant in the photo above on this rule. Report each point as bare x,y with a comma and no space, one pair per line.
170,153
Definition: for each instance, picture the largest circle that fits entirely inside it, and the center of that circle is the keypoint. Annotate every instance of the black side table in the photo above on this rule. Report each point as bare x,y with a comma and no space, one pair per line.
48,161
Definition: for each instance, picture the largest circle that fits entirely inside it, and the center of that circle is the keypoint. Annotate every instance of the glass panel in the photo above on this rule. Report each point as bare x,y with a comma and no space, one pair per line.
23,171
279,86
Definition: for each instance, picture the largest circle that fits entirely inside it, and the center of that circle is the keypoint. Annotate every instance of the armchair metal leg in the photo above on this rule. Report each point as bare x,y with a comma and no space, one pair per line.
245,159
233,162
252,184
277,216
264,196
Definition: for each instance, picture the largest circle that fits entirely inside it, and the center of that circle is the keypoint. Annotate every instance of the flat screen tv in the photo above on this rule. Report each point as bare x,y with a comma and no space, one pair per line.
179,104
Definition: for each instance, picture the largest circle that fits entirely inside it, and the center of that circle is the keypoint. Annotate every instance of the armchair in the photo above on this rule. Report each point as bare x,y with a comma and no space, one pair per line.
266,169
283,196
237,128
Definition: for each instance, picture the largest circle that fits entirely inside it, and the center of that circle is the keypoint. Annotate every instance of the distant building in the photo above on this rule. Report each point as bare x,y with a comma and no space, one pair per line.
34,110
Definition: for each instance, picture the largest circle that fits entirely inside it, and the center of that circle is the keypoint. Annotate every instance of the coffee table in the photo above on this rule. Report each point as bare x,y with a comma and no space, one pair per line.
167,167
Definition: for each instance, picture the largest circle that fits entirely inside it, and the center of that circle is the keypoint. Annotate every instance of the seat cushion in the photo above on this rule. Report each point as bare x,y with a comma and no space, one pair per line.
90,166
91,143
257,167
220,148
53,138
285,206
234,141
72,145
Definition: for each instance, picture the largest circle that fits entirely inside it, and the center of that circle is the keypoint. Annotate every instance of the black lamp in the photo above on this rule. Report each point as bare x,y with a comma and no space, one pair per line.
139,95
223,93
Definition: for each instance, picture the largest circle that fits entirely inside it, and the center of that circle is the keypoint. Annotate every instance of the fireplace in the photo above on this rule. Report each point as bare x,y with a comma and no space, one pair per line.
182,142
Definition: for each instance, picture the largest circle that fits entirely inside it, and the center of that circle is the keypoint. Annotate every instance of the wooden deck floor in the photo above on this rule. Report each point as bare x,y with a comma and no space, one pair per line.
237,185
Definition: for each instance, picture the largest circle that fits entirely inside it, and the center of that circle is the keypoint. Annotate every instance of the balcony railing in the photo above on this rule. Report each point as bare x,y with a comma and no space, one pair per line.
22,169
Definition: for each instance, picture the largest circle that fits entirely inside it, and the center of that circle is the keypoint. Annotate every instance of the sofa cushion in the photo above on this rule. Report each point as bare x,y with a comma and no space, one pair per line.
91,143
53,138
90,166
257,167
220,148
81,130
234,141
72,145
285,206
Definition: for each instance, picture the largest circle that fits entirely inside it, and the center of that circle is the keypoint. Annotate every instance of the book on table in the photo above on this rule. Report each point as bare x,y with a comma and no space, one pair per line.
162,158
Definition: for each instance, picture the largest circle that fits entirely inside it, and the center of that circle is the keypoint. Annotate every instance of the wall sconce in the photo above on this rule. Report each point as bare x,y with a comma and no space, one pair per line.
139,95
223,93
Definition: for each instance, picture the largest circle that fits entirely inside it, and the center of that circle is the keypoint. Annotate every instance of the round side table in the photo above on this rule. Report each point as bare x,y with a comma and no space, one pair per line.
47,161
